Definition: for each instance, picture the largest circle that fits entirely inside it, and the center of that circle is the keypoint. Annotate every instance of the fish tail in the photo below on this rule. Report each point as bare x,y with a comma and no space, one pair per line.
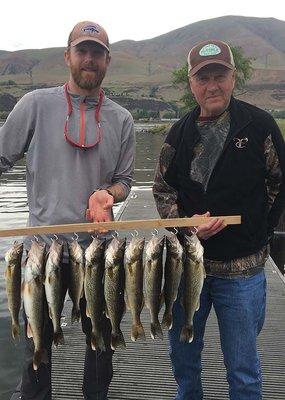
167,320
15,330
117,340
187,334
40,356
155,330
97,342
58,338
137,332
75,314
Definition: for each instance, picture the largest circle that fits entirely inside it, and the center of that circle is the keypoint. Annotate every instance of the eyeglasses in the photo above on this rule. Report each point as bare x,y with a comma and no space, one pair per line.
81,144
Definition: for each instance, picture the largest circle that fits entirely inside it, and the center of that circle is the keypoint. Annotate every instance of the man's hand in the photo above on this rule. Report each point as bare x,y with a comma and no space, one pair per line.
211,228
99,207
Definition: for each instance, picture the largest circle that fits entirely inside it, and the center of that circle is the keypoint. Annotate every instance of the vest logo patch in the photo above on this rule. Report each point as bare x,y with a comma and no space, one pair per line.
240,143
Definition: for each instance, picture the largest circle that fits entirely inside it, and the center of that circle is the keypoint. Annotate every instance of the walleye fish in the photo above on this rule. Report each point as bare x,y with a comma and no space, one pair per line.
114,285
172,276
34,300
54,289
13,259
153,279
76,278
134,284
194,275
94,290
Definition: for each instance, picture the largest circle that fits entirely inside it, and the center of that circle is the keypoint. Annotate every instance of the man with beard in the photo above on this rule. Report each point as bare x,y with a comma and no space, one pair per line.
79,149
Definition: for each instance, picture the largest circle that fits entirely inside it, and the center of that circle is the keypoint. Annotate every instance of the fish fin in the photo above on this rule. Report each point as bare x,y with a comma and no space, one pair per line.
117,340
26,288
161,300
8,273
167,320
97,342
106,311
155,330
187,334
29,331
58,338
124,308
50,312
15,331
40,356
137,332
75,314
146,303
127,303
143,303
198,305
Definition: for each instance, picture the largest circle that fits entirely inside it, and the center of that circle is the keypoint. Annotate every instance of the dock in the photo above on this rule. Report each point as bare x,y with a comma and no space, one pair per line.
143,370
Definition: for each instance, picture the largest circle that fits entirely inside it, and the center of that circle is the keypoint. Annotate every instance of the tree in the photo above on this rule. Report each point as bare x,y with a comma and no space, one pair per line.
243,74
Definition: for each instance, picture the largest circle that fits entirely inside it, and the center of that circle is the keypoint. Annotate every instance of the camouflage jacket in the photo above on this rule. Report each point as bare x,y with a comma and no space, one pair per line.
247,179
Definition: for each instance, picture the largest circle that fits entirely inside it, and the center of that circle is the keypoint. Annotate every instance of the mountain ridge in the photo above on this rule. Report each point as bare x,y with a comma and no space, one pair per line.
144,67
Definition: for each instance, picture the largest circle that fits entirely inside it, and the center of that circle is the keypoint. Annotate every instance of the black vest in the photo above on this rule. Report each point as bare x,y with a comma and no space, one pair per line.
237,185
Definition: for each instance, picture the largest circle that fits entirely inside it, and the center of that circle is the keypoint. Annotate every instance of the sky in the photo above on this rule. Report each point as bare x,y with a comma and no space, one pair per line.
35,24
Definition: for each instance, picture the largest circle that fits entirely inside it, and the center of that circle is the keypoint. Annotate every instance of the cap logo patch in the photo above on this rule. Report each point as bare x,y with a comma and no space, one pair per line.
90,29
210,50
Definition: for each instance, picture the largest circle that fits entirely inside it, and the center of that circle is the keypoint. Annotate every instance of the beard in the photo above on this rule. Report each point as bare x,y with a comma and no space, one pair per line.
87,80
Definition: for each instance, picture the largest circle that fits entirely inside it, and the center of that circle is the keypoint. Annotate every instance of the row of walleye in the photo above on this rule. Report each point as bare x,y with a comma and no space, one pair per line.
109,277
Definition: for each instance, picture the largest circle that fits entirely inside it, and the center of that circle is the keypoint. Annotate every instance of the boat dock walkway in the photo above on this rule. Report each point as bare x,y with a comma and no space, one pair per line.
143,370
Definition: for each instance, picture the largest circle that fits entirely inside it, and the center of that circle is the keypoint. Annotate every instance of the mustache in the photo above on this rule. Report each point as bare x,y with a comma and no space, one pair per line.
89,65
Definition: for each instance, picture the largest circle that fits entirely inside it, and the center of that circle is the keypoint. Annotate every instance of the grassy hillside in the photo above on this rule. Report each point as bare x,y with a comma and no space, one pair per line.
281,124
144,68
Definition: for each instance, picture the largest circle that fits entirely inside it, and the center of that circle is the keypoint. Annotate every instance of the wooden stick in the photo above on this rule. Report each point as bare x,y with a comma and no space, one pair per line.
116,225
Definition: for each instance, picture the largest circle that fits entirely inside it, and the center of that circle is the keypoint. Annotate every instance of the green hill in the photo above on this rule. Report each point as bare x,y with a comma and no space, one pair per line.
143,68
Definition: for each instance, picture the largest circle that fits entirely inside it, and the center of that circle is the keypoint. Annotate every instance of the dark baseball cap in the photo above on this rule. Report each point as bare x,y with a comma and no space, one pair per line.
209,52
87,30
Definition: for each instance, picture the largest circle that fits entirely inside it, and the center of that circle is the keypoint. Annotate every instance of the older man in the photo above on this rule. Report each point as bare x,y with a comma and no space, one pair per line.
225,157
79,155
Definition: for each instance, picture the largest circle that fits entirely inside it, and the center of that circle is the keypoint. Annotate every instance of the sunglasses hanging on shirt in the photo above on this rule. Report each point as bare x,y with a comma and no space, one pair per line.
81,144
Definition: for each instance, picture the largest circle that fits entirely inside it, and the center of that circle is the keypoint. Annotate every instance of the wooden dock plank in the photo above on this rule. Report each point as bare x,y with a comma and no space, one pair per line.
143,370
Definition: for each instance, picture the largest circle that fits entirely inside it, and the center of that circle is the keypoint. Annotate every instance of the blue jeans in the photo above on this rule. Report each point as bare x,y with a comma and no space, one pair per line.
239,304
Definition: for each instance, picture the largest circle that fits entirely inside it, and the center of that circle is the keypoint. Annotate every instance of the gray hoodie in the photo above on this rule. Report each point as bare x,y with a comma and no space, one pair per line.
60,178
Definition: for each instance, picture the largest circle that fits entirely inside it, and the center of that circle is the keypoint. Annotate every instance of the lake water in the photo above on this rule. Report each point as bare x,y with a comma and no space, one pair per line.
13,213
